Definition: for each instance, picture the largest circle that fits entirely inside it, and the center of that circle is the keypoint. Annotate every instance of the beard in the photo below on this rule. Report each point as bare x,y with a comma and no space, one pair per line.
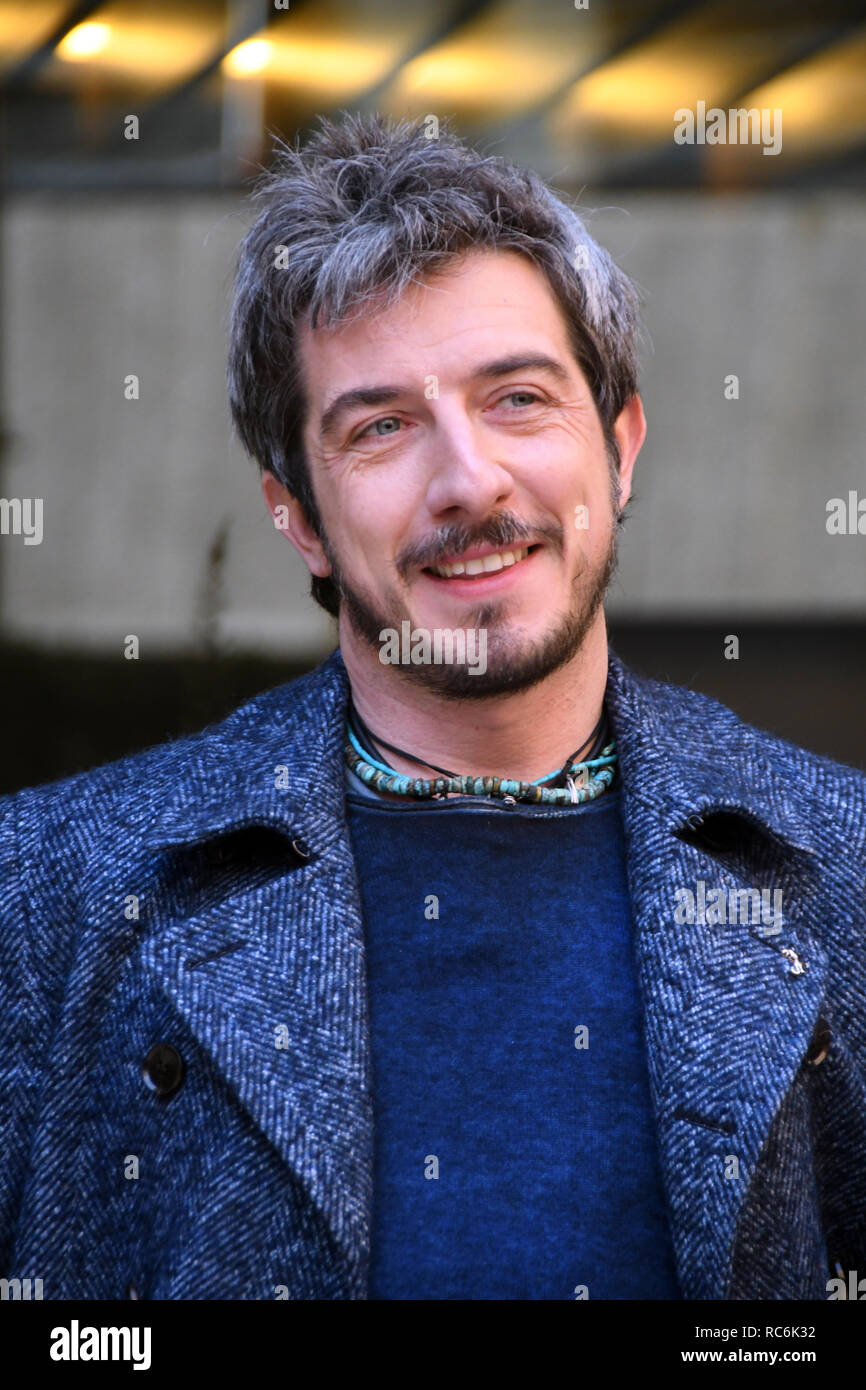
512,664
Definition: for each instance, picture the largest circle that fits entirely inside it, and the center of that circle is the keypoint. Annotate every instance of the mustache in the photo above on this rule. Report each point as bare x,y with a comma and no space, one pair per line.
502,530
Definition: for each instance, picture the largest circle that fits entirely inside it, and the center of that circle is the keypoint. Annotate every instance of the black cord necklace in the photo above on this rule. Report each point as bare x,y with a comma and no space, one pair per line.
596,741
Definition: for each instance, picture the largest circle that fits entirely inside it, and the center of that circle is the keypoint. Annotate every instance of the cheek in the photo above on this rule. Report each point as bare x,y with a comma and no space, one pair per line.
572,496
588,518
377,520
370,541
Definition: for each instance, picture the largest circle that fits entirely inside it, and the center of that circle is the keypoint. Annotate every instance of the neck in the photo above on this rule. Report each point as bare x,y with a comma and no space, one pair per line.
524,735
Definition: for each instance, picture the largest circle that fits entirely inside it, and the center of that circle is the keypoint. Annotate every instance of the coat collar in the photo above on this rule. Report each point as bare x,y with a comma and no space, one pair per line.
667,760
726,1021
231,778
667,739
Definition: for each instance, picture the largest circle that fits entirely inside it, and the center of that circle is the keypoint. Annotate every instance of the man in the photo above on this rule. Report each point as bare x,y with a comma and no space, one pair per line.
470,965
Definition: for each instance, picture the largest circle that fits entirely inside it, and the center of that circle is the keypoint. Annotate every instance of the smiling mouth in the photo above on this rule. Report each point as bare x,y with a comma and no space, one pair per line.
486,564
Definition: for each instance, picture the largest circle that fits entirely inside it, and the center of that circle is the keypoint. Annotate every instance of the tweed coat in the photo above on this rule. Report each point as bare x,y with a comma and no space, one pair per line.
203,894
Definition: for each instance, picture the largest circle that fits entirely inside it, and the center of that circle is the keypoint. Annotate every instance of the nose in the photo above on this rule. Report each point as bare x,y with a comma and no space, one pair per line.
465,476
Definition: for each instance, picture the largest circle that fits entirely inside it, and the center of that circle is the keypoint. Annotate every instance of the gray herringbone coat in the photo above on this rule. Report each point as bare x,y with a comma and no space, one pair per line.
247,956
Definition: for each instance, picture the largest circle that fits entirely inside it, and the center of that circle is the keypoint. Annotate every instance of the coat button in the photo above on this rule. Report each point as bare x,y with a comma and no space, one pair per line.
163,1069
819,1044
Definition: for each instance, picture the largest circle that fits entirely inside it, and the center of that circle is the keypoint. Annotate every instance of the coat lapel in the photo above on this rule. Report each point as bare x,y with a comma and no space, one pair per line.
727,1018
270,977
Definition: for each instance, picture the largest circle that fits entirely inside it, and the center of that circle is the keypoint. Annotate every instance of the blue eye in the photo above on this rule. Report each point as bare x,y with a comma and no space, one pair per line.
385,420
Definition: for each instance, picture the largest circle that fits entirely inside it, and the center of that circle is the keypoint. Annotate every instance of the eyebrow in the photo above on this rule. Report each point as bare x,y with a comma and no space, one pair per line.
385,395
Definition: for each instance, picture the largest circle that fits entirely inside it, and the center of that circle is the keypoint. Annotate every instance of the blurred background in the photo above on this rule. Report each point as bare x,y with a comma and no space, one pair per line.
131,131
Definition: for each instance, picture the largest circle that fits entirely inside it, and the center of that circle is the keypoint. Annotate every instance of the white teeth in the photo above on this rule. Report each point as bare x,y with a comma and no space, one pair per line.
488,564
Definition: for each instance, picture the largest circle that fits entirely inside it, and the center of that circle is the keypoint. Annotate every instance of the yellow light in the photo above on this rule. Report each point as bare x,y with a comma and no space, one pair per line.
251,56
84,41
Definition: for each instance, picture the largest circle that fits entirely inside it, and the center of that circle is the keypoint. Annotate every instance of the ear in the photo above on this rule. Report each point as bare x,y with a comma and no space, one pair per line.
289,517
630,431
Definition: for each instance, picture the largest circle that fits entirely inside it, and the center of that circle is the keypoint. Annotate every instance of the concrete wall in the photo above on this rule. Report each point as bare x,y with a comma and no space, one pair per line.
729,517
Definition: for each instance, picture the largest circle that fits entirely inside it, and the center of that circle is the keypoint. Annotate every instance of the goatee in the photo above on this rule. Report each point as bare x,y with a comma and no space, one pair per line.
511,665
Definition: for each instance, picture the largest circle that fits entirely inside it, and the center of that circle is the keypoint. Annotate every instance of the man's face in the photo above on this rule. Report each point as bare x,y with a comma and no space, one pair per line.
472,431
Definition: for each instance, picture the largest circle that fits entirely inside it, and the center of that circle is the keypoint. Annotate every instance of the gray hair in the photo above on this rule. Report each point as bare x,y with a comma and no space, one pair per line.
368,206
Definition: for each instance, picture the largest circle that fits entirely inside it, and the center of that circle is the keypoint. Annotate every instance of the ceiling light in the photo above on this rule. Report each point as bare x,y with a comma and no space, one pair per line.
84,41
248,58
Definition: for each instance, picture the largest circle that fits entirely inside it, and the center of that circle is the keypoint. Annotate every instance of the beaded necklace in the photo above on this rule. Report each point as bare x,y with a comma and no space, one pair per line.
584,780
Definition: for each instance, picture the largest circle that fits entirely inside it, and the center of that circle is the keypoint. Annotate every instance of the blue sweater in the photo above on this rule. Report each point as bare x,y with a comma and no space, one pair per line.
514,1145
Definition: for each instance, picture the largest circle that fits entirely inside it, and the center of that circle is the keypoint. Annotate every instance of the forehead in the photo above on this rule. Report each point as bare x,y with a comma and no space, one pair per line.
451,315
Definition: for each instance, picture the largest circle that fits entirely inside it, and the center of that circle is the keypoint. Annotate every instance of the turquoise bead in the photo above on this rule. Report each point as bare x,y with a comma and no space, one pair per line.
533,793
